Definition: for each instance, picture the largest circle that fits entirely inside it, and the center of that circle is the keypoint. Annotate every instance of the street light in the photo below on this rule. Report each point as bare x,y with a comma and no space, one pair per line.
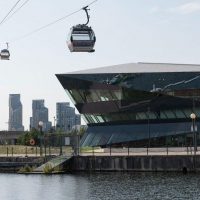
149,133
60,139
193,129
54,119
40,124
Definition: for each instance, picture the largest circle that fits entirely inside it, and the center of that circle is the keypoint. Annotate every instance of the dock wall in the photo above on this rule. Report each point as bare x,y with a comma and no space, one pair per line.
13,164
135,163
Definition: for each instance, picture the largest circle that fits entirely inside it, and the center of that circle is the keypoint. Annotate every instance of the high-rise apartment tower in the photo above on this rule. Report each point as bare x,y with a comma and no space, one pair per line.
66,117
15,113
40,113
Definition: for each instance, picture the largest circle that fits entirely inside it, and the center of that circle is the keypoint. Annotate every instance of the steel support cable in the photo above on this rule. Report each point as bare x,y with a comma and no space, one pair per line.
17,10
90,3
3,20
51,23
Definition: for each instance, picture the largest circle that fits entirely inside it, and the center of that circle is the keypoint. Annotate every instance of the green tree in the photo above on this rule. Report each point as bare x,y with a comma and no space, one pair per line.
25,138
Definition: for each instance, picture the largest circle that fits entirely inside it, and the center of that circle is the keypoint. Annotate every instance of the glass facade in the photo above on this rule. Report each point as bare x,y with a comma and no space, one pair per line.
120,107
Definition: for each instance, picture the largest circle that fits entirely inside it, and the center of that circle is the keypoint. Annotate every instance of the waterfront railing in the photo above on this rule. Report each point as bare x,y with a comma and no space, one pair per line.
20,150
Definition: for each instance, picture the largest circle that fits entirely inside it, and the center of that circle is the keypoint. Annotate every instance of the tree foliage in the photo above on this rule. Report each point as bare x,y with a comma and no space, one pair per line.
27,136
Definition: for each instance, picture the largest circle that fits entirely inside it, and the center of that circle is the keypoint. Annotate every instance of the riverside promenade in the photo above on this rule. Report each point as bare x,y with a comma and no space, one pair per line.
141,151
182,159
136,160
106,152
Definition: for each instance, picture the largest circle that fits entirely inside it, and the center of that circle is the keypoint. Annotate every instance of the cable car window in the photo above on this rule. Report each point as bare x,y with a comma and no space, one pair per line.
81,37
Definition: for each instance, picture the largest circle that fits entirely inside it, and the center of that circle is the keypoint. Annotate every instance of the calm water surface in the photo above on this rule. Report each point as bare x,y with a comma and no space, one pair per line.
104,186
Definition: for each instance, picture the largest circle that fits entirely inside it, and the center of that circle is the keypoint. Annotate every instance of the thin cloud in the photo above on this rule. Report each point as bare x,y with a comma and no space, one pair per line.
154,9
188,8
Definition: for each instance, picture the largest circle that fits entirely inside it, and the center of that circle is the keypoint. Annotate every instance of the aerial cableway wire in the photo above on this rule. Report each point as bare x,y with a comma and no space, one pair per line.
51,23
17,10
3,20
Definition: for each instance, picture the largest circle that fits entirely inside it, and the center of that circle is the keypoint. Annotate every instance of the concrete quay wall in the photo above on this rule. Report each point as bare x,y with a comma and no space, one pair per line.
156,163
13,164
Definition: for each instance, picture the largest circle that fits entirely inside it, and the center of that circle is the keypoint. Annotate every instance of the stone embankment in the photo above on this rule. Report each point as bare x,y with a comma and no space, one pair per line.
150,163
13,164
182,163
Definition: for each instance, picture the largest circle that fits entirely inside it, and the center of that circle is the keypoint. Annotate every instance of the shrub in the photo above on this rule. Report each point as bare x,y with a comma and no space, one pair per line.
26,169
48,168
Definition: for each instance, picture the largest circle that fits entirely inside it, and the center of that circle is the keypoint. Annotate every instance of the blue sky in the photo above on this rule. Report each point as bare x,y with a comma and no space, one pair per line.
127,31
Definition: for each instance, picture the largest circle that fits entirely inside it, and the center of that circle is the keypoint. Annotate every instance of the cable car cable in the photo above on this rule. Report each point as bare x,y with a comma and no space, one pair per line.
91,3
51,23
17,10
45,26
3,20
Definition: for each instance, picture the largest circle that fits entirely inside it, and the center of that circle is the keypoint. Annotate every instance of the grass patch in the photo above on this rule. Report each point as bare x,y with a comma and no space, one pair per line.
88,149
31,150
48,169
26,169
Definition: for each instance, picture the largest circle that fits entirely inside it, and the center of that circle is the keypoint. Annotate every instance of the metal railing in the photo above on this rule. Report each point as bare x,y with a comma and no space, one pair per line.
145,151
19,150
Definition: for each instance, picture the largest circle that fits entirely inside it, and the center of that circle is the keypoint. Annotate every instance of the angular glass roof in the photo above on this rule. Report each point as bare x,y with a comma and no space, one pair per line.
141,68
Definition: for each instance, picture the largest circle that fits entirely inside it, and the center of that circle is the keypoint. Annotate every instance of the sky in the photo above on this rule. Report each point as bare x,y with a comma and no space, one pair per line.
127,31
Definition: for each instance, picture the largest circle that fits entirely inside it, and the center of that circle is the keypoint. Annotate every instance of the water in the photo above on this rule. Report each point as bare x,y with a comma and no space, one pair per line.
104,186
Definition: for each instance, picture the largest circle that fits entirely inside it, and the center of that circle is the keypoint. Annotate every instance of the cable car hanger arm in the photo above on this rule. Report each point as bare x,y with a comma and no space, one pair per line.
88,16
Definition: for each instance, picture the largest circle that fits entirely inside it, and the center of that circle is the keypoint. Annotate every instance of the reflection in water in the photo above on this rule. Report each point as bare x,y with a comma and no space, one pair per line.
122,186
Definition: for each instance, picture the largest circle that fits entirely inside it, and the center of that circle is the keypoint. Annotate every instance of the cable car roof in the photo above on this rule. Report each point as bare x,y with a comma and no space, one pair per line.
81,27
4,50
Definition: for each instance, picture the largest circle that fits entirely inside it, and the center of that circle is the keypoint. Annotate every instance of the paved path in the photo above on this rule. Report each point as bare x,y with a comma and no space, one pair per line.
125,152
143,151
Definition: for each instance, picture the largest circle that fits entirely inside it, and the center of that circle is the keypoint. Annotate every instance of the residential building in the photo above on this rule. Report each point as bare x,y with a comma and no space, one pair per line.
40,113
66,116
15,113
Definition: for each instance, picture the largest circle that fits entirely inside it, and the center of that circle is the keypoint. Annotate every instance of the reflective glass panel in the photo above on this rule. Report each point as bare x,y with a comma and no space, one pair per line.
87,96
81,37
180,114
169,114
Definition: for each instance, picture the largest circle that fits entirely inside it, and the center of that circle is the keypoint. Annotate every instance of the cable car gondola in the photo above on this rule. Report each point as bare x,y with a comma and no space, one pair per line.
5,54
81,37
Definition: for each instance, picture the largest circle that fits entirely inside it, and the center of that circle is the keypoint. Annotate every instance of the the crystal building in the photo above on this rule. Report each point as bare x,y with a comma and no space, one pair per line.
136,103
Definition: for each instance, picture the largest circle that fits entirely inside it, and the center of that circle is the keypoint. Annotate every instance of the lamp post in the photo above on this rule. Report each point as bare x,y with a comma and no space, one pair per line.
149,133
193,128
40,124
60,139
54,120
